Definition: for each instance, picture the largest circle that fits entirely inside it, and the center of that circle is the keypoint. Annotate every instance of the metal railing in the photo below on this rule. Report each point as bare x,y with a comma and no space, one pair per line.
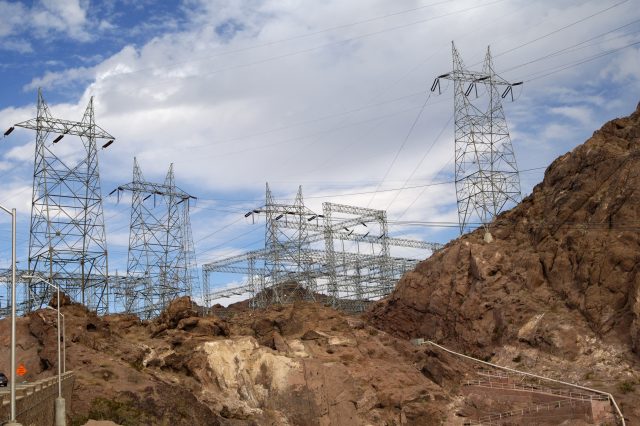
533,409
610,397
26,389
538,389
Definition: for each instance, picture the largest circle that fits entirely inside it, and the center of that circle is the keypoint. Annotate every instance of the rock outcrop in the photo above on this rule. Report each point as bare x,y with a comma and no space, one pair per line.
301,364
561,280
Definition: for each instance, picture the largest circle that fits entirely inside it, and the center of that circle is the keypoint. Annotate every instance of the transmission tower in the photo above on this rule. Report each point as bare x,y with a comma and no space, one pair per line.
67,243
341,256
286,241
486,172
161,263
354,276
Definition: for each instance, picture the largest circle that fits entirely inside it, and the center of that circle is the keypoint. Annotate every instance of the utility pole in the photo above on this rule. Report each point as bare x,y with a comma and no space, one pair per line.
12,392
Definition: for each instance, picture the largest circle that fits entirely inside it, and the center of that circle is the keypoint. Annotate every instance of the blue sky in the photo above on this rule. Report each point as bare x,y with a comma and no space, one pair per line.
320,94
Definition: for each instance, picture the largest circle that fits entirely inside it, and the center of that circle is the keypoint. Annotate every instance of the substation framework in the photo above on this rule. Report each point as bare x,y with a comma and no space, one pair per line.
67,242
340,257
161,264
486,172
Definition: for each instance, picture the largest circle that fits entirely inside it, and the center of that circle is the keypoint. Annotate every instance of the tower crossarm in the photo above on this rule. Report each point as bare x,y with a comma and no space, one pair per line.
153,189
474,77
336,226
65,127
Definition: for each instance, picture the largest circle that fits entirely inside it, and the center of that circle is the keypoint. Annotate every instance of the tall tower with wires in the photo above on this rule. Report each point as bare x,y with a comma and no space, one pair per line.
67,242
161,262
486,172
286,245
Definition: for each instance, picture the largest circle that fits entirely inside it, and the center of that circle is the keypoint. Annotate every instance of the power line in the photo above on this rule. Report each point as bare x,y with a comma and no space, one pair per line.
314,120
210,249
448,182
533,77
218,230
344,147
558,52
421,161
318,133
283,40
560,29
627,226
402,145
318,47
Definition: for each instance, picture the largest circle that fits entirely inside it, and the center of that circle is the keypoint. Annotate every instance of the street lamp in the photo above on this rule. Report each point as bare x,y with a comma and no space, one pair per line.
64,340
61,417
12,212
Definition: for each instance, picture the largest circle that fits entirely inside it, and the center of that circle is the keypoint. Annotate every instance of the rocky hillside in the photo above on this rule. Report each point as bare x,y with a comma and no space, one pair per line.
558,291
303,364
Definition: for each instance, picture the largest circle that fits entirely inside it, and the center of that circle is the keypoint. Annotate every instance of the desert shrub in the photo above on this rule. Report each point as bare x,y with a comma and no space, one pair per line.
626,386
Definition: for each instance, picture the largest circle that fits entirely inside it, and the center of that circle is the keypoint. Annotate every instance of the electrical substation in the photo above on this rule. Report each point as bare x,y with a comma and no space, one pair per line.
340,255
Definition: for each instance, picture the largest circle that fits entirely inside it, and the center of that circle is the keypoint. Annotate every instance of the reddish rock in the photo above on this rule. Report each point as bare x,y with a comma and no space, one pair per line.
561,281
572,247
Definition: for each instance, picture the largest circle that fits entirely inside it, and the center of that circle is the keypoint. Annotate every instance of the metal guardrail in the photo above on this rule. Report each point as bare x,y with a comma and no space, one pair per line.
547,406
26,389
610,397
532,388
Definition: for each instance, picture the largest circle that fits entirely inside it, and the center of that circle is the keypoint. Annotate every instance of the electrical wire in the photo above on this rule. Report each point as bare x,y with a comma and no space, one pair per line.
218,230
402,145
560,68
330,130
579,21
314,48
557,52
284,40
415,170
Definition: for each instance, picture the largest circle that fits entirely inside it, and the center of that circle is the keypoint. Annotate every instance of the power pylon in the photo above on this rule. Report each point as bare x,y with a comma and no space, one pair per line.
286,241
341,256
67,242
486,172
161,261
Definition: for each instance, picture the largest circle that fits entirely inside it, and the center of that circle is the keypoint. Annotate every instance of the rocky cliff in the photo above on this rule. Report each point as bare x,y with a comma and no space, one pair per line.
558,290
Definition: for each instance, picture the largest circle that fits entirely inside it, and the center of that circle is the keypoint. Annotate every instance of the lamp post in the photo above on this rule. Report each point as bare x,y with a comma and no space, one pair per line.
12,212
61,417
64,340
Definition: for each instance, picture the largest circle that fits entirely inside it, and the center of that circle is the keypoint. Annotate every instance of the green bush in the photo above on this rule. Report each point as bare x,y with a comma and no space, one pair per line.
626,386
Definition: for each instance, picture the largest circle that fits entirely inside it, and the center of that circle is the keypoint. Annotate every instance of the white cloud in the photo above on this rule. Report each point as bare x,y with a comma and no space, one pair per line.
581,114
45,19
255,91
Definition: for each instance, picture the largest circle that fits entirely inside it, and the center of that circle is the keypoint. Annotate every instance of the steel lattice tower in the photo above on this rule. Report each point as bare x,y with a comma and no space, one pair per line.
161,262
346,276
67,243
486,172
286,241
341,257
